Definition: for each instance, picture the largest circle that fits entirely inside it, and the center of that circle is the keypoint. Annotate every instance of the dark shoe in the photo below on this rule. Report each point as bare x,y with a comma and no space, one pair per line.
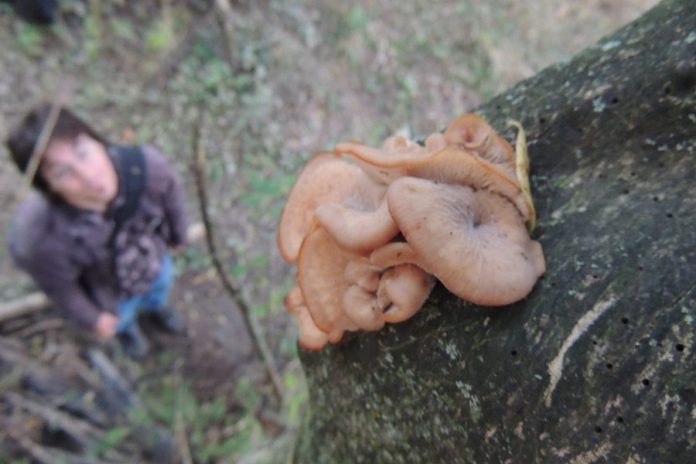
169,320
134,343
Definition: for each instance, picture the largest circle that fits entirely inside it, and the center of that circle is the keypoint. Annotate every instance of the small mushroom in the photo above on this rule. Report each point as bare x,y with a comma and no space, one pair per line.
325,178
311,337
403,290
472,133
343,199
361,307
474,242
321,269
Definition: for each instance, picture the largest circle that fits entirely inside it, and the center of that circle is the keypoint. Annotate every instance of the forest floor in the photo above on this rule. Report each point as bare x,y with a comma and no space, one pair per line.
269,83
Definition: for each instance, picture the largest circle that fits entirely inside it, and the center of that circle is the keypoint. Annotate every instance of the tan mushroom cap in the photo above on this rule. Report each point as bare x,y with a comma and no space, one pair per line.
325,178
395,152
311,337
360,220
321,267
471,132
474,242
451,165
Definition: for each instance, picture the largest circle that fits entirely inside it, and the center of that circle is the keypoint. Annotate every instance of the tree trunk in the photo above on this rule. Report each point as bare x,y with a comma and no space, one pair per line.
597,364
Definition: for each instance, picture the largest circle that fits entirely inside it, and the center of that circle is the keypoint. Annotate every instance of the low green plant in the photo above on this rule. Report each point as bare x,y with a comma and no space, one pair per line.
160,36
110,440
29,39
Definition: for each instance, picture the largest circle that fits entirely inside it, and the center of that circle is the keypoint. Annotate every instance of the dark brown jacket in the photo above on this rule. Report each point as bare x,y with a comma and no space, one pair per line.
69,254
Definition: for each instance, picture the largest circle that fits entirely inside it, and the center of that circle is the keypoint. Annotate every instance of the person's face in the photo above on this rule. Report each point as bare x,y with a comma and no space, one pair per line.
80,172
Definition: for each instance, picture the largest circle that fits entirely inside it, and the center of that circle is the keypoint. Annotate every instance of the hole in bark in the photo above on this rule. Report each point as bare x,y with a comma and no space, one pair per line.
542,120
679,347
668,90
670,215
624,320
660,164
598,429
625,191
610,366
619,419
595,276
641,268
513,353
656,199
646,382
594,342
633,174
684,81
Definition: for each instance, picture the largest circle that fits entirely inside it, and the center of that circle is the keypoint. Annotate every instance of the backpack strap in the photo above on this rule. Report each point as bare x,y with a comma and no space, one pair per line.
132,173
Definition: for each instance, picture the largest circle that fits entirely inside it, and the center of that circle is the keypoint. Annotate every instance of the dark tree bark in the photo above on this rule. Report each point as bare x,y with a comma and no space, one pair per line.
597,364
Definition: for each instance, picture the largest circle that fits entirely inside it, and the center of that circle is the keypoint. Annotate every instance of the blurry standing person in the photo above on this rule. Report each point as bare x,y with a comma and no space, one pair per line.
96,233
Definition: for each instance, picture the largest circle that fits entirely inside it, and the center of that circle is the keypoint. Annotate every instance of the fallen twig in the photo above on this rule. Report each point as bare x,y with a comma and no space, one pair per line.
81,432
22,306
43,325
47,455
231,287
110,375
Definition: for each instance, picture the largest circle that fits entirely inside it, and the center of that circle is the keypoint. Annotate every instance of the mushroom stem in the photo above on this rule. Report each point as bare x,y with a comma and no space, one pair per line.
394,254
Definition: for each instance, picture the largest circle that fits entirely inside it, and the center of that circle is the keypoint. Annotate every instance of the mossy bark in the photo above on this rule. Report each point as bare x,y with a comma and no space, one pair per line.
597,364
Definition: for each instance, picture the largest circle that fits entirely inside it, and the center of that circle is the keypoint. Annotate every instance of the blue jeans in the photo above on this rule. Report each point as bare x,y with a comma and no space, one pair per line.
154,299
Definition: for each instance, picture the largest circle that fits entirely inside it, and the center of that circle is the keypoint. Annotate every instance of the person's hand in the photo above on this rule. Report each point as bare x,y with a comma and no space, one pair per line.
106,325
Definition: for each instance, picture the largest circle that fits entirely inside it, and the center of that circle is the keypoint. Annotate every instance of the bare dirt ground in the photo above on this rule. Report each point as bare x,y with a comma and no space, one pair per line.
270,83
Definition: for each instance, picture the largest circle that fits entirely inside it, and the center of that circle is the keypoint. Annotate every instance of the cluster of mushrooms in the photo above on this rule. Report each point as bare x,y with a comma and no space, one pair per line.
371,229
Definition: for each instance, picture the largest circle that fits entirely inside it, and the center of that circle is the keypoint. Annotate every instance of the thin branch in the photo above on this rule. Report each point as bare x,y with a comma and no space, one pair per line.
180,433
40,147
226,20
231,287
27,304
80,431
47,455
